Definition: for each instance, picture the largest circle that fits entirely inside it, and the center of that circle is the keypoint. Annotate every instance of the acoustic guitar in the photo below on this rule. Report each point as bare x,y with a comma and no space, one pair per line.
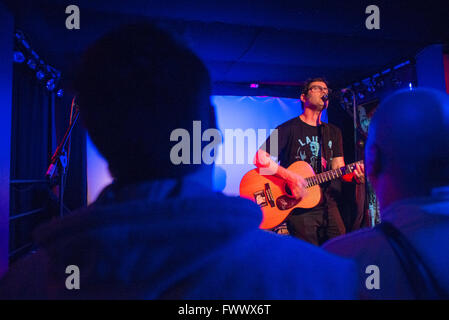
274,197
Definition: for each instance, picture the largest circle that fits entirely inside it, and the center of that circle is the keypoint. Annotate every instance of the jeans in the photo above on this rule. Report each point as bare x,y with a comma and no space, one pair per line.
316,225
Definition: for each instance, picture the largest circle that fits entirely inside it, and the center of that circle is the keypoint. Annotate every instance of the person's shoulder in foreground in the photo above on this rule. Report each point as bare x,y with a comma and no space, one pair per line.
128,250
406,174
424,222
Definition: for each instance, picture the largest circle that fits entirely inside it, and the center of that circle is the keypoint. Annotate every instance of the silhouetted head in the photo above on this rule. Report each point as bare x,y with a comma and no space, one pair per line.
407,151
134,87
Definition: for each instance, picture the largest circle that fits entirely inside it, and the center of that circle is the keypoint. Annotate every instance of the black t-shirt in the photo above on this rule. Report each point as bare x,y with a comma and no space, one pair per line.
299,141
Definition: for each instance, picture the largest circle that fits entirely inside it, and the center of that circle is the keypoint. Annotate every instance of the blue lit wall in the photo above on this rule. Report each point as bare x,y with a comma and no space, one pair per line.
6,52
98,175
233,112
249,113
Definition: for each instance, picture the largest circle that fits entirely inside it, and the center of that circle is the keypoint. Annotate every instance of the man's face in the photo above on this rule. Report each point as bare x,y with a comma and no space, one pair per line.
314,97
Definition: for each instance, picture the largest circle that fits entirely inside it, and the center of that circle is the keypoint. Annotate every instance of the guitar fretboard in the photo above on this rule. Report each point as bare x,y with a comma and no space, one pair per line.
331,174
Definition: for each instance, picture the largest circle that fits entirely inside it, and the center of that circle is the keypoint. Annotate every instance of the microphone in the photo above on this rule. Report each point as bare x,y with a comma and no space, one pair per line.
325,97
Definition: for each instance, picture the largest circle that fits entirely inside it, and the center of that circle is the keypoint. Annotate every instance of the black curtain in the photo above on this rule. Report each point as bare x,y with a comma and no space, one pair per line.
32,108
352,204
39,121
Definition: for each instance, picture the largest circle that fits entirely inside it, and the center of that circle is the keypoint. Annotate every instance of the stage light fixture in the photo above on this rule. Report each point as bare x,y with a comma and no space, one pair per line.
367,85
371,86
24,53
19,57
379,82
40,75
360,89
346,99
32,64
361,95
401,65
19,35
51,84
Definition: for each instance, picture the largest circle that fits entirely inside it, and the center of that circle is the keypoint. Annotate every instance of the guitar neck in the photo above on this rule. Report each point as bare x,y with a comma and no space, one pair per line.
331,174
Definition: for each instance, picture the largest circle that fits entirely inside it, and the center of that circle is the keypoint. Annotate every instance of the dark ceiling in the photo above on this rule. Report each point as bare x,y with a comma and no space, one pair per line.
278,42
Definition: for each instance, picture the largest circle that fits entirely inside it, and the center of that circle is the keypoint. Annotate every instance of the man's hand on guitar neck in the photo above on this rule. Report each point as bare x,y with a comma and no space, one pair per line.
357,176
295,182
359,173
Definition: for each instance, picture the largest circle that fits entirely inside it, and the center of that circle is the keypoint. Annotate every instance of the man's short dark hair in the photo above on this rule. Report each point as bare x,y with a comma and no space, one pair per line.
306,87
308,82
135,85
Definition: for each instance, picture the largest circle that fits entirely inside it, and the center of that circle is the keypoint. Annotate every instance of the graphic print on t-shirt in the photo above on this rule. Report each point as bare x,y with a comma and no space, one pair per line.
309,151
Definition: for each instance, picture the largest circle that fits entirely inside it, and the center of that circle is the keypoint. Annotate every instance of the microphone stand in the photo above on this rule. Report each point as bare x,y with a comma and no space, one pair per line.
58,163
354,116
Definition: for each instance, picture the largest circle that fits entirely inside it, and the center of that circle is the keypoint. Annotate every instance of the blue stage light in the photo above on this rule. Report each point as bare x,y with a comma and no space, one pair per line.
51,84
19,35
40,75
60,93
19,57
379,82
32,64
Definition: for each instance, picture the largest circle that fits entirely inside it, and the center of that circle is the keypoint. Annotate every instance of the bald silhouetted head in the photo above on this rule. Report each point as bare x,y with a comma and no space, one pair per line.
407,152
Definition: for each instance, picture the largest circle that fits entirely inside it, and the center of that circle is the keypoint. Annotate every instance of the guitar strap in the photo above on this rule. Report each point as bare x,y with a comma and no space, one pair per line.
322,134
320,154
421,279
